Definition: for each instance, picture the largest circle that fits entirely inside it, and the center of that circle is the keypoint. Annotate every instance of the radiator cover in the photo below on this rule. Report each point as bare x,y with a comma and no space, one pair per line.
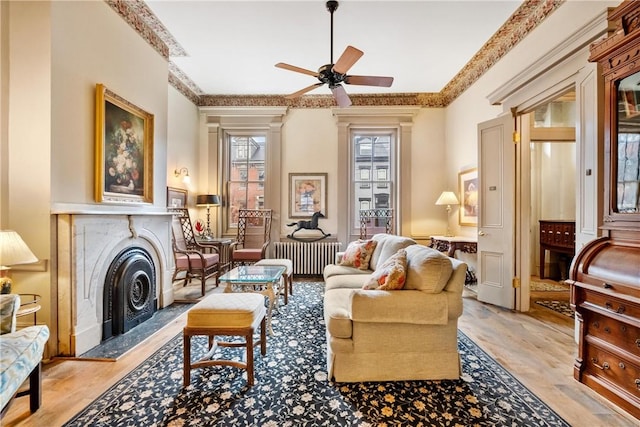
308,258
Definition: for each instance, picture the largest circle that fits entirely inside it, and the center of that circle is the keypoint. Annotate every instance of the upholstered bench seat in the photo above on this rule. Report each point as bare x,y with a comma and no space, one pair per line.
20,357
287,276
232,314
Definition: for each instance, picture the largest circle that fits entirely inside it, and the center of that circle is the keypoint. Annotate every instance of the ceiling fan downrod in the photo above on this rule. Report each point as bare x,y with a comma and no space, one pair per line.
332,6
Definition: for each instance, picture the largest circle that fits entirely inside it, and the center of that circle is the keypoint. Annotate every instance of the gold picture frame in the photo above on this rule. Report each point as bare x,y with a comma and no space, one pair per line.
307,194
468,187
123,150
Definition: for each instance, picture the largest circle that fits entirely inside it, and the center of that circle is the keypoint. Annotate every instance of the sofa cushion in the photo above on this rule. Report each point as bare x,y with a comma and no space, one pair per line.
348,281
388,244
427,269
341,270
391,275
358,254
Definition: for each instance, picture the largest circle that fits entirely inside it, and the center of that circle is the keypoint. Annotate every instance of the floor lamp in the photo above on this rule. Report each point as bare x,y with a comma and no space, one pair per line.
208,200
447,198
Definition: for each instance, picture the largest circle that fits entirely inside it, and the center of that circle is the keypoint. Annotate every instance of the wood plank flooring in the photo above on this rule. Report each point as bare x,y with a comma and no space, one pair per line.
537,347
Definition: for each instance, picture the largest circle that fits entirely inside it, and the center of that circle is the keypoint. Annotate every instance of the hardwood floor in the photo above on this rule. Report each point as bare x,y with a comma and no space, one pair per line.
536,347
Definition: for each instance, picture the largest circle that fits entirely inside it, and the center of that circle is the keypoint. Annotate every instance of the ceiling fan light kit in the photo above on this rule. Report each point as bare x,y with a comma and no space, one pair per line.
334,74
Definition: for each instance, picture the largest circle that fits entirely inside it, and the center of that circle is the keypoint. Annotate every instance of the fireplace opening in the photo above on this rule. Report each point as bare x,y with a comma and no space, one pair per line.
129,292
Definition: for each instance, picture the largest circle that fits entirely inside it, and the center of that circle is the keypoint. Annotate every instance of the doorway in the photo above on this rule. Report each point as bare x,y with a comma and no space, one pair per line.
552,202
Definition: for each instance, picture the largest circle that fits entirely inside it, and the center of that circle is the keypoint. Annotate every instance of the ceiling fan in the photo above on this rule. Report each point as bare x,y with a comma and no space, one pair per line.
333,74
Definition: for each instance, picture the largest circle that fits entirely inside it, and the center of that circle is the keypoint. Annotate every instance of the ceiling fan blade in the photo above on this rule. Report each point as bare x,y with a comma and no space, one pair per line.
349,57
296,69
303,91
341,96
369,80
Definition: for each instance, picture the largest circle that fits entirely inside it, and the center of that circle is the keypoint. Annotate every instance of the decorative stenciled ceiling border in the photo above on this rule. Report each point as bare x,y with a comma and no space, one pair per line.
522,22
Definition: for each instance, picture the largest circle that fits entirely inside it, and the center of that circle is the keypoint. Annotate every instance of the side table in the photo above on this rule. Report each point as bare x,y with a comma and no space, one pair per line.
29,304
450,244
223,245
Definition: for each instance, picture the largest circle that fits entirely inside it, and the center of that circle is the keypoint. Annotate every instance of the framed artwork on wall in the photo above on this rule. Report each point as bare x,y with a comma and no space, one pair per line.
176,197
307,194
123,150
468,184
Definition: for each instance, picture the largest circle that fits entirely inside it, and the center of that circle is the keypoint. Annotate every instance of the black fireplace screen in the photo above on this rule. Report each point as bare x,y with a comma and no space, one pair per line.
129,292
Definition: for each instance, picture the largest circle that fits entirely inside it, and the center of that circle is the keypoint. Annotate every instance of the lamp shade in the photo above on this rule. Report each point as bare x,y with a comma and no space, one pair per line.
447,198
13,250
208,200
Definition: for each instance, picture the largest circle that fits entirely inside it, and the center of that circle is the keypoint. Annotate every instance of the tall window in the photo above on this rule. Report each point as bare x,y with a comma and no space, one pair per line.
372,157
245,173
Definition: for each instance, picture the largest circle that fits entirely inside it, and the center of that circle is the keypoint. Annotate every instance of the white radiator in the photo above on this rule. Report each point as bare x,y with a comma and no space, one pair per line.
309,258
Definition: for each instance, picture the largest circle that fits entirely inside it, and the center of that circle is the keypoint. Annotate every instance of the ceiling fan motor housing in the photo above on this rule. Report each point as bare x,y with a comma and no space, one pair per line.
330,77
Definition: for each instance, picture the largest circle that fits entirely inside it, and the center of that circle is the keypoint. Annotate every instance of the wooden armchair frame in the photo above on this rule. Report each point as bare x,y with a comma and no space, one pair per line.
249,246
194,259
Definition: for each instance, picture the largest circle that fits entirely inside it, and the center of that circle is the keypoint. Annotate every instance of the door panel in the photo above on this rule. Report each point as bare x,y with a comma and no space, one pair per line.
496,216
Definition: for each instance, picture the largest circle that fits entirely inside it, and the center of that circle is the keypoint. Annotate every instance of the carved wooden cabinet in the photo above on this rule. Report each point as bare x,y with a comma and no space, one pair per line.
605,274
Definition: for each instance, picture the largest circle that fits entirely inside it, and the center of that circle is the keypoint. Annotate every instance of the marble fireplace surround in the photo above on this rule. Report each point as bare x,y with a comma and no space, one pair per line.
87,243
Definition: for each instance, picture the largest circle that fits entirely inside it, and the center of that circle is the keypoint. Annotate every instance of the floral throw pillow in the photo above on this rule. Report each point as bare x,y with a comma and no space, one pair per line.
358,254
391,275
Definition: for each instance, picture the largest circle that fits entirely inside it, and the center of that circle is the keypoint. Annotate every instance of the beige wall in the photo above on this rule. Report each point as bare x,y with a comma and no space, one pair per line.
472,107
57,53
182,145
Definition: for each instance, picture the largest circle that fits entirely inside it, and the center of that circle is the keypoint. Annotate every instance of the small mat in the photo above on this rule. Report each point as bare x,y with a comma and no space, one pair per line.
546,286
561,307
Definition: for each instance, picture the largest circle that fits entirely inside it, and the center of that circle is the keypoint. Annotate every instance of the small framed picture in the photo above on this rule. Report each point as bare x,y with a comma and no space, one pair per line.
176,197
468,184
307,194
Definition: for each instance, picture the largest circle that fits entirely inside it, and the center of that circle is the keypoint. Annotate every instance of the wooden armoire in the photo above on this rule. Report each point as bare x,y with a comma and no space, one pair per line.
605,274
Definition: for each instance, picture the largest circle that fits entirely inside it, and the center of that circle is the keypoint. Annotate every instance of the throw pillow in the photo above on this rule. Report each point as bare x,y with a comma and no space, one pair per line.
391,275
358,254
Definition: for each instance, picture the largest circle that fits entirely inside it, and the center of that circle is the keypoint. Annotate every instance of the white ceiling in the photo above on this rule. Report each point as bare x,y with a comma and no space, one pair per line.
232,46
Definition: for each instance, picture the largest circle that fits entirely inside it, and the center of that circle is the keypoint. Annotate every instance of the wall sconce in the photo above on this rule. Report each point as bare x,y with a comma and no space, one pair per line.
447,198
13,251
186,178
208,200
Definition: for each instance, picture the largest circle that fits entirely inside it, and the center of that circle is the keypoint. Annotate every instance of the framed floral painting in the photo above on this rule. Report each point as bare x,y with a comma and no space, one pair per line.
307,194
468,182
123,151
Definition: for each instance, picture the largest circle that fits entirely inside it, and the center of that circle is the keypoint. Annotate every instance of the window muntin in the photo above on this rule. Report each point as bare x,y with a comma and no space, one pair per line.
245,174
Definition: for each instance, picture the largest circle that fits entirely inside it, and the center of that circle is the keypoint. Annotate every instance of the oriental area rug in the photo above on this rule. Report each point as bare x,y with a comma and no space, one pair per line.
292,388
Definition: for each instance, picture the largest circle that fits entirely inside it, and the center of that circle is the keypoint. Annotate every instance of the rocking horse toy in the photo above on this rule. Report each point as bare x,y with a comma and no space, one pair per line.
308,225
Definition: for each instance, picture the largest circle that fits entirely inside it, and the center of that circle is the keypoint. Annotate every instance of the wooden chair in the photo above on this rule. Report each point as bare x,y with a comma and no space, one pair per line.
253,238
190,257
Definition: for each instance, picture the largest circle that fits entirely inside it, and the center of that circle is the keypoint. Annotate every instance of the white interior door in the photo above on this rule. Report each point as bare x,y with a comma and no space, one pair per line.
496,214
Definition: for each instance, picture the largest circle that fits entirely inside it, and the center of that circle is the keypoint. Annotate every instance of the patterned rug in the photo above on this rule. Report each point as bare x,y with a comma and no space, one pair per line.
537,286
561,307
292,388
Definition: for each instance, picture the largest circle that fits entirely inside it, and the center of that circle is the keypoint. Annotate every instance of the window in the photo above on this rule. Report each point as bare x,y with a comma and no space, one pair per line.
372,161
245,173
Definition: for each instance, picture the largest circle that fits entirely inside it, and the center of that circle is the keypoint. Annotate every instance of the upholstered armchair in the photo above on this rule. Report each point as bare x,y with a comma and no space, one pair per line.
194,260
253,237
20,355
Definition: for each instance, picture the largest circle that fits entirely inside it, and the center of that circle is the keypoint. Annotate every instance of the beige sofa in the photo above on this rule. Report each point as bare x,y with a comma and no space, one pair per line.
408,334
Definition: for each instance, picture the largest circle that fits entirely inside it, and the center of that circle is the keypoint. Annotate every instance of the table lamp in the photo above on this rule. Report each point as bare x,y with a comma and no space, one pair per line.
208,200
447,198
13,251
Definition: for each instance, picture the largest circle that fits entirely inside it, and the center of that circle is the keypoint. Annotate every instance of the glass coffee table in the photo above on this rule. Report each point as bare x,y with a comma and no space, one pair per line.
260,279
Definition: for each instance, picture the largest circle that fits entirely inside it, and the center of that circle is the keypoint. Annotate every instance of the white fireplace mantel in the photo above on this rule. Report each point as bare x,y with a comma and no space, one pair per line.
88,240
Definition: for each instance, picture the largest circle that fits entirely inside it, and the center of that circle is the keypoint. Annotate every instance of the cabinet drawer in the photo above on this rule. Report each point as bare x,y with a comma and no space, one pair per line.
612,304
602,364
619,334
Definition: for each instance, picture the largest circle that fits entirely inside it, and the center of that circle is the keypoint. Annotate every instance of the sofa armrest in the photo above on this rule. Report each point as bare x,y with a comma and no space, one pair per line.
402,306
